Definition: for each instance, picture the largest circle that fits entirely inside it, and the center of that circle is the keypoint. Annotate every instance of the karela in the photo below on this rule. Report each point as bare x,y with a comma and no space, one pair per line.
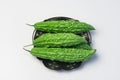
62,26
83,46
63,54
58,40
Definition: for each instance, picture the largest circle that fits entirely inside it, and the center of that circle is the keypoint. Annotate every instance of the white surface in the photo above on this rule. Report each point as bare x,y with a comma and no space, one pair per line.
17,64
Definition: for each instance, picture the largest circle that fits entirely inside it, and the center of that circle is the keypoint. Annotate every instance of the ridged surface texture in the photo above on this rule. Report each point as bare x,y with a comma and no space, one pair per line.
63,54
69,26
59,40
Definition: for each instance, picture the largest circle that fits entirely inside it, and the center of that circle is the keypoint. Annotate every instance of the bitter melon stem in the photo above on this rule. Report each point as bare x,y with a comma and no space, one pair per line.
24,47
29,24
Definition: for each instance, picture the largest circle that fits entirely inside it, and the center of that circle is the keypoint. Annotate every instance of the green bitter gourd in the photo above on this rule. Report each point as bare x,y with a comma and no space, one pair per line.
58,40
63,54
62,26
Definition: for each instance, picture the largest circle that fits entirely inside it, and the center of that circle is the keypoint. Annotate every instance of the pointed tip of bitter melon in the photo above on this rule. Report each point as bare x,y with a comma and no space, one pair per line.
91,53
88,26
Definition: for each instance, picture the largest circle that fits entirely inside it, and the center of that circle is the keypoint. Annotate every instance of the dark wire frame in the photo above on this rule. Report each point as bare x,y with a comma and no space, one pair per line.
57,65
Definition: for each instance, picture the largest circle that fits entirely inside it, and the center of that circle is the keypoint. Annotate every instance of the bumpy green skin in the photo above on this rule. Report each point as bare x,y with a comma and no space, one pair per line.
58,40
63,54
83,46
69,26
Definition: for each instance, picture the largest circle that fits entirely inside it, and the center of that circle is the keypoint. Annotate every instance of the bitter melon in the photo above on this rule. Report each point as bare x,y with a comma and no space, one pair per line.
58,40
63,54
62,26
83,46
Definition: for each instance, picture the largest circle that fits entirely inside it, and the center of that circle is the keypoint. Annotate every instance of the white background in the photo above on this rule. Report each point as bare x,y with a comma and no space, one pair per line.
17,64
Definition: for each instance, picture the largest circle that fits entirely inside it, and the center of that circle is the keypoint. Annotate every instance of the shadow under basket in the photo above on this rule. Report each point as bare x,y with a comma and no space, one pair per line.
57,65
